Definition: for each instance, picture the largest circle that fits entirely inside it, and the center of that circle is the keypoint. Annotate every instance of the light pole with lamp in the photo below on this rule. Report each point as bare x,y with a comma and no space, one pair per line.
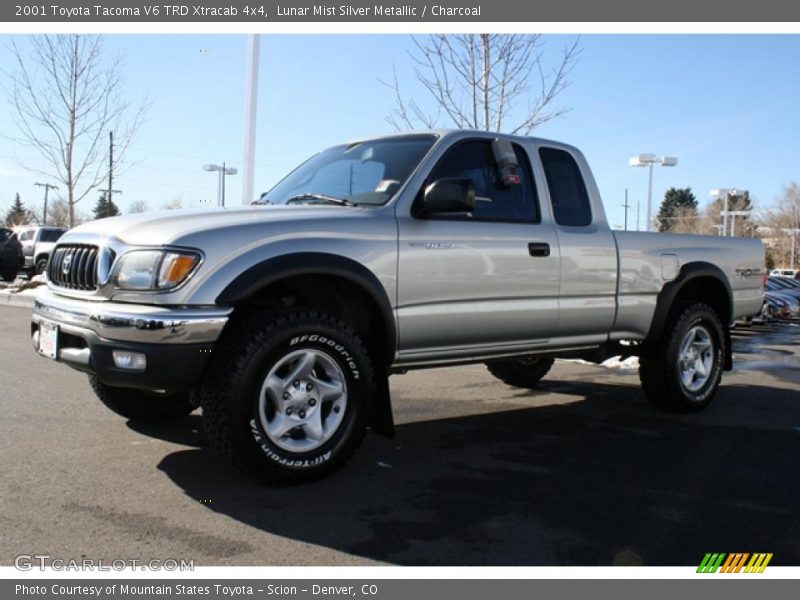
223,170
725,194
648,160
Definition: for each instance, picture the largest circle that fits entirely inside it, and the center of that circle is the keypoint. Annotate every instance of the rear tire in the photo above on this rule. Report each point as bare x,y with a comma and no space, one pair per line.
142,406
521,372
682,372
286,398
9,276
41,267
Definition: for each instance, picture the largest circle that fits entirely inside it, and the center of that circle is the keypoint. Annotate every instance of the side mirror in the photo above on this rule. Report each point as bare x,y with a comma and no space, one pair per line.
449,195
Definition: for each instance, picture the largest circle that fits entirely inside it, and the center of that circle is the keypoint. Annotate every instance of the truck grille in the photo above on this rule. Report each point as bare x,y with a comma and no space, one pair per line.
74,266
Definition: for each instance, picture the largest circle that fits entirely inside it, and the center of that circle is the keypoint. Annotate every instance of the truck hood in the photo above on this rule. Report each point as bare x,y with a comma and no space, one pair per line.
172,226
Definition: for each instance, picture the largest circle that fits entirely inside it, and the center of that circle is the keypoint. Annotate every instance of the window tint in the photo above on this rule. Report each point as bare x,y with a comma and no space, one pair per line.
4,234
50,235
567,190
25,235
495,202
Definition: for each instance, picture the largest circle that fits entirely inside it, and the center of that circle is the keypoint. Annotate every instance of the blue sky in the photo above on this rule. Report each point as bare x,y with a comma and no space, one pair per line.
725,105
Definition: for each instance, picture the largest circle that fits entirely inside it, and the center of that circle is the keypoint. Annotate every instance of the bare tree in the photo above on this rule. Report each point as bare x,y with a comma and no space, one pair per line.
174,204
138,206
58,214
66,99
686,220
780,227
479,81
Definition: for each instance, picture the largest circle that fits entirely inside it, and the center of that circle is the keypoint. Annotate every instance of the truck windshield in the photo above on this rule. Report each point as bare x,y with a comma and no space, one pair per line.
363,173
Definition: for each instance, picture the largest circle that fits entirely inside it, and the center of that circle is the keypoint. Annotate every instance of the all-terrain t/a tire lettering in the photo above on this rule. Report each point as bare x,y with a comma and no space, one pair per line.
286,398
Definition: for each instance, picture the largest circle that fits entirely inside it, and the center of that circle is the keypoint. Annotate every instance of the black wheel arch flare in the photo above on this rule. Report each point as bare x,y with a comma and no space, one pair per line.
692,272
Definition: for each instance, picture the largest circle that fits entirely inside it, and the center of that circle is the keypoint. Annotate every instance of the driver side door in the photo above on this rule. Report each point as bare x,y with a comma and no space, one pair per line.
485,282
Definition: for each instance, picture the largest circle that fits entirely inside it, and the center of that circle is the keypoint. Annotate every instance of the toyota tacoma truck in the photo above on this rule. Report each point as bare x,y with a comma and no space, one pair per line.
283,320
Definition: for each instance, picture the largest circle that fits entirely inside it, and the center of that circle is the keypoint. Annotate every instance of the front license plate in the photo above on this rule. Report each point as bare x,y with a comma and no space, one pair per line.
48,339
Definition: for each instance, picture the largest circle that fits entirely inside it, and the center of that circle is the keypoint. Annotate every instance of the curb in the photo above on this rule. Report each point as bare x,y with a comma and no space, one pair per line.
7,298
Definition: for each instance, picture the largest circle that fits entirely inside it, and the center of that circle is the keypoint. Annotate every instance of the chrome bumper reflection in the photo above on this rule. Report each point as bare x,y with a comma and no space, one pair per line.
133,322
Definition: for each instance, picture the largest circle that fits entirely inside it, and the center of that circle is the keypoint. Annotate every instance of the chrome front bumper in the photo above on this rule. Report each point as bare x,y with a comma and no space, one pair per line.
177,341
132,322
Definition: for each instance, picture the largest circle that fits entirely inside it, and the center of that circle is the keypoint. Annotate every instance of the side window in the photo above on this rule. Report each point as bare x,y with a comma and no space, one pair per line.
25,236
50,235
495,202
568,194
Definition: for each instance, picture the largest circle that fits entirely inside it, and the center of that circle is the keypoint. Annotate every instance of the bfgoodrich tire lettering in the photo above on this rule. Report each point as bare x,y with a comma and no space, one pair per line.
286,395
682,372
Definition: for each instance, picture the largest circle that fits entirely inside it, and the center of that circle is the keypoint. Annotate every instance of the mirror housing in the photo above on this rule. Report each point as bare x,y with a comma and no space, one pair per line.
449,195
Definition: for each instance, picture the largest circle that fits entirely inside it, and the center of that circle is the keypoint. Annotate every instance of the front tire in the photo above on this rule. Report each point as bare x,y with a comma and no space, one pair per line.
286,398
683,372
142,406
521,372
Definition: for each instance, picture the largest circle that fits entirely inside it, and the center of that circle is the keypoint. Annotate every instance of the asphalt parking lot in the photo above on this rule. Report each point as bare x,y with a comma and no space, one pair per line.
580,472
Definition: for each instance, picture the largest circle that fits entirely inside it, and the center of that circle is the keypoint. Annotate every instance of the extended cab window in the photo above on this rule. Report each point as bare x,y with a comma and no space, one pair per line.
495,202
568,194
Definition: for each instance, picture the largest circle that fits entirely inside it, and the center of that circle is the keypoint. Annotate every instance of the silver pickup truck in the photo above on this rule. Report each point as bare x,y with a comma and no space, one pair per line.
284,320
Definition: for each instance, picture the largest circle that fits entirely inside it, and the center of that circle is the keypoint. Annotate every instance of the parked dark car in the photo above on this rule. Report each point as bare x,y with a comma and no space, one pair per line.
783,285
11,258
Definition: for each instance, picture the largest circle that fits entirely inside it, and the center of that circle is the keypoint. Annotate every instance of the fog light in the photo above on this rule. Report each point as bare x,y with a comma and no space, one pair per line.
133,361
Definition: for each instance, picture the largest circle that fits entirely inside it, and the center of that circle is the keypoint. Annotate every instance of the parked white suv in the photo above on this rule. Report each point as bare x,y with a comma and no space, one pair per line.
783,273
37,243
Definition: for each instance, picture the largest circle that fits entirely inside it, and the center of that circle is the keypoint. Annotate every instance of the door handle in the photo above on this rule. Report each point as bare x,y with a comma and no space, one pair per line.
539,249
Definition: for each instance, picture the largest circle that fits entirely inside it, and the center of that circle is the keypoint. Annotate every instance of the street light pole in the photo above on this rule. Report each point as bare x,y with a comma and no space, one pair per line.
725,194
250,114
223,171
648,160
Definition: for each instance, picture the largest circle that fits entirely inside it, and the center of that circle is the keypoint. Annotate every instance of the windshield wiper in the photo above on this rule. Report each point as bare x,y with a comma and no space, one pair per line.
321,198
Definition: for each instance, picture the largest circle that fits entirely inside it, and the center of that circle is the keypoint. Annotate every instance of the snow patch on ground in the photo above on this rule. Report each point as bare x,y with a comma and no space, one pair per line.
615,362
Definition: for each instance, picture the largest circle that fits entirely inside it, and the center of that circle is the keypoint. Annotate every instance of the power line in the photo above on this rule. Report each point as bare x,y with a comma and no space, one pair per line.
626,206
47,187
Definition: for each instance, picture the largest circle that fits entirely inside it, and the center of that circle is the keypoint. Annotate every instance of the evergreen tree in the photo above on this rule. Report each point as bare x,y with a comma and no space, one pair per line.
679,203
105,207
17,214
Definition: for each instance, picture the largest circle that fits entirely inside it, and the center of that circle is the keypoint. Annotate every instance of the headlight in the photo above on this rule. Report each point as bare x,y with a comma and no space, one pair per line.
154,270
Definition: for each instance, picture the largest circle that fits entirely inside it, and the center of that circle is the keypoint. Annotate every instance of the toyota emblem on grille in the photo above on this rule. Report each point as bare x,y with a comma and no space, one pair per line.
65,265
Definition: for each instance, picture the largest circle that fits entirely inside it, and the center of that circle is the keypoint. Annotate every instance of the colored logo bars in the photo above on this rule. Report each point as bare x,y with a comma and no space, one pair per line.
734,563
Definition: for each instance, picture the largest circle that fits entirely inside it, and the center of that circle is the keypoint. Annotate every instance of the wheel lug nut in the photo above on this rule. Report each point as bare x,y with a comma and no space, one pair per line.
289,411
302,414
296,383
312,402
286,395
309,387
337,409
